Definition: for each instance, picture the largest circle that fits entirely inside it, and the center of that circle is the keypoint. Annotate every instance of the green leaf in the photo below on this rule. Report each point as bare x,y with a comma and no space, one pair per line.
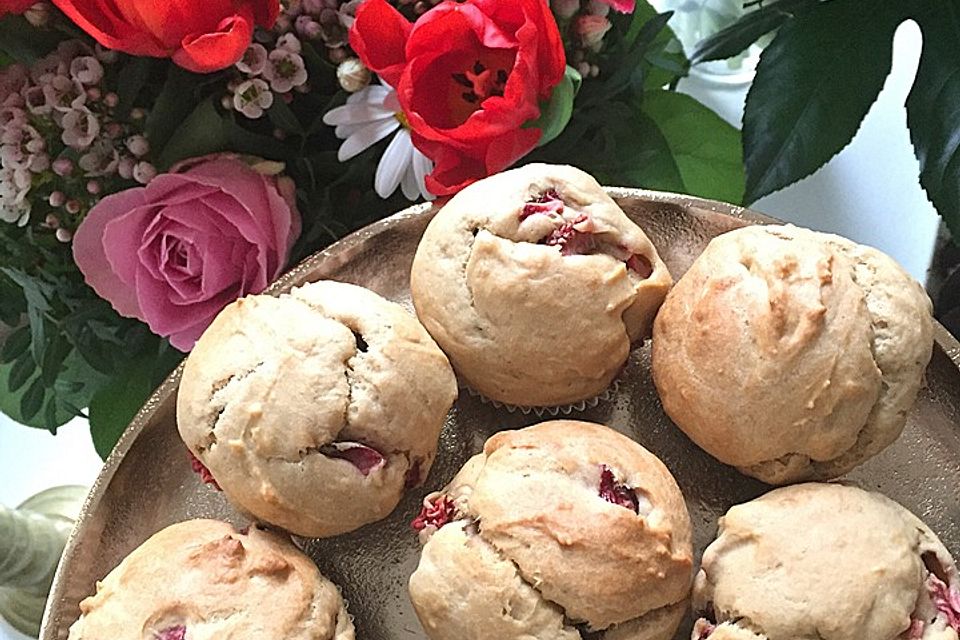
72,390
201,133
555,114
114,406
36,291
177,100
24,43
20,372
242,140
53,357
283,117
704,147
32,401
130,82
932,113
814,84
629,70
751,27
15,345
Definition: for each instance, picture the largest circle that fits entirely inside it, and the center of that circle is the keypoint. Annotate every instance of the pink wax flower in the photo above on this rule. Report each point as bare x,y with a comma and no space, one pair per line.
177,251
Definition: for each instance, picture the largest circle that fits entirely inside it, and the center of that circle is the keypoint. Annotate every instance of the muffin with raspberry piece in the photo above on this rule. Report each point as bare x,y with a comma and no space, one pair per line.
535,284
826,562
563,530
201,579
316,410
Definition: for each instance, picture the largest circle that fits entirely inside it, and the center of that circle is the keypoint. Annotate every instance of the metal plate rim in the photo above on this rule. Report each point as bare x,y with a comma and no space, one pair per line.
943,339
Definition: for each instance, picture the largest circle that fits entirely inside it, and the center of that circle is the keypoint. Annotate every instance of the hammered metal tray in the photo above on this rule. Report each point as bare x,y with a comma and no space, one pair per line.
146,484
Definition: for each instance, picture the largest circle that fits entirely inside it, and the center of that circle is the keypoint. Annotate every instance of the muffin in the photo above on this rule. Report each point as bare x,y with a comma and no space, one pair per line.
535,284
554,531
316,410
826,562
791,354
200,580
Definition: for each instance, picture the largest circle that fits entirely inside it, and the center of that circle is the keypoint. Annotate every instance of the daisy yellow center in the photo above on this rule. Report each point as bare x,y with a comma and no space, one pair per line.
402,119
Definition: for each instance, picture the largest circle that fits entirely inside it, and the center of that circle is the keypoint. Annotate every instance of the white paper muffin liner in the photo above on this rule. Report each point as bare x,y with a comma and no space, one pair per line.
563,409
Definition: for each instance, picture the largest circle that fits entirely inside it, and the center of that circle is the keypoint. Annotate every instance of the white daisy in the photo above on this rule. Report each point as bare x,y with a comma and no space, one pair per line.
369,116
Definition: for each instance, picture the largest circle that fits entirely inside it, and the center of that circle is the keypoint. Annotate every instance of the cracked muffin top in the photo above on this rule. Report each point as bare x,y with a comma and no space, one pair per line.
202,580
558,530
315,410
535,284
791,354
826,562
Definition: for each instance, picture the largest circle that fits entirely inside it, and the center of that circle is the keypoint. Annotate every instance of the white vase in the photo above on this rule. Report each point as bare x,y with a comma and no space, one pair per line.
32,537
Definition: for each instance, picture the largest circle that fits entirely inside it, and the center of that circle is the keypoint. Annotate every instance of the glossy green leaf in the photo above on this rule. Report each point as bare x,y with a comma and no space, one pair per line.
704,148
201,133
284,118
23,42
933,109
116,403
555,114
176,101
751,27
814,84
130,81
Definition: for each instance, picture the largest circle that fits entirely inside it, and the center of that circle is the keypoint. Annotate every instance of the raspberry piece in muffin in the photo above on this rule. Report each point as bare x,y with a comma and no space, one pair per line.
522,523
536,284
318,409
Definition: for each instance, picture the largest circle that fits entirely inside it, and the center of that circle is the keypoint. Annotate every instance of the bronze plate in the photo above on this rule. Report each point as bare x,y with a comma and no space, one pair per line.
146,484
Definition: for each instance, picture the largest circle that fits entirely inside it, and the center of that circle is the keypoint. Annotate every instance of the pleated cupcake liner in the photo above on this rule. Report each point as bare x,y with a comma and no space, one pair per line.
554,411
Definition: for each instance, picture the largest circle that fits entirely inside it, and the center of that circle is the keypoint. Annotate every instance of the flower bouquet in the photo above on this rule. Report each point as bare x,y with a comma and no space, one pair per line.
159,160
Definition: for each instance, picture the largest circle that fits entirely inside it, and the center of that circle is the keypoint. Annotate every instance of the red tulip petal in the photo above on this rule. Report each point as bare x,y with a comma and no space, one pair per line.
102,20
266,12
208,52
15,6
379,36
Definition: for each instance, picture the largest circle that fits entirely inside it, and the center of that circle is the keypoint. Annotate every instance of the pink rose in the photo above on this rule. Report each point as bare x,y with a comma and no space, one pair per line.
176,252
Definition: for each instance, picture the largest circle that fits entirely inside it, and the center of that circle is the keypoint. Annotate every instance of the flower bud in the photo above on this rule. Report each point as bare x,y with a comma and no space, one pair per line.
353,75
64,235
138,146
62,167
72,207
39,14
57,198
93,187
597,8
144,172
125,167
565,9
590,30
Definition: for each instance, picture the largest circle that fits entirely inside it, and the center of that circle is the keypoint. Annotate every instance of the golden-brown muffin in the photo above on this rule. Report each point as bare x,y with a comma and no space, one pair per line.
554,530
791,354
826,562
535,284
314,411
201,580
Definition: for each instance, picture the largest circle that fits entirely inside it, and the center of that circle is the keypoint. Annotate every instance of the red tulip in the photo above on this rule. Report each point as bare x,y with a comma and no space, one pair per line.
14,6
200,35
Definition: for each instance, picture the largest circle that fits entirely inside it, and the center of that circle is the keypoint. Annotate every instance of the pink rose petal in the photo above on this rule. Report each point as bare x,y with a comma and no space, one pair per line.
88,252
174,253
